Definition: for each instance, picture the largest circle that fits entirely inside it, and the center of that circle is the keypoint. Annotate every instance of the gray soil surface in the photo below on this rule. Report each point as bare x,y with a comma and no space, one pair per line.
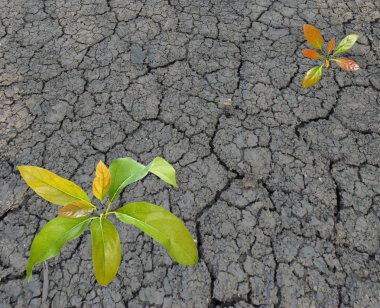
279,185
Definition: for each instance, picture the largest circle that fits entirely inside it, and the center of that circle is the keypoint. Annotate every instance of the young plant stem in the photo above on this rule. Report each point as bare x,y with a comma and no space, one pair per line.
108,207
45,285
109,213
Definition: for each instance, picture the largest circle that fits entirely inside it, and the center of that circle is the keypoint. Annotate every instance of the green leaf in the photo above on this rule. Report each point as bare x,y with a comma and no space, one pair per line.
313,76
125,171
52,187
346,44
164,227
163,170
52,237
105,250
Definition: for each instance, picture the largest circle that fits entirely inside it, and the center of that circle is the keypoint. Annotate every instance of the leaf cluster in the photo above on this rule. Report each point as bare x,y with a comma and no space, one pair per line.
314,37
74,215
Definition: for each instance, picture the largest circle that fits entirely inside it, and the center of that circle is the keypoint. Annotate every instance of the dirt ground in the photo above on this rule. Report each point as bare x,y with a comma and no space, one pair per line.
279,185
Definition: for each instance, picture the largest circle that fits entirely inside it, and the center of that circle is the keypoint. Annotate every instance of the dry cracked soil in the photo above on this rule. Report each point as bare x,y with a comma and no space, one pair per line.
279,185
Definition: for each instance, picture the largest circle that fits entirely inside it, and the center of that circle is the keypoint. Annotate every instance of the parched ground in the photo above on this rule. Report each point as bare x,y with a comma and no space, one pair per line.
280,186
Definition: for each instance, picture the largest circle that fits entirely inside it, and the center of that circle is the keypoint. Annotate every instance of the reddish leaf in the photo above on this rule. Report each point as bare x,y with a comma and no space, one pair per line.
311,54
313,36
330,46
76,209
313,76
347,64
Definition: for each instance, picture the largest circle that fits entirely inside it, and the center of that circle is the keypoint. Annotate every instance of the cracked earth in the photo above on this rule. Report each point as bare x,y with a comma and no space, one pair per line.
280,186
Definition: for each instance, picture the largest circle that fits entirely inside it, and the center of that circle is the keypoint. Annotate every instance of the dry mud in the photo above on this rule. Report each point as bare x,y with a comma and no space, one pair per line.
280,186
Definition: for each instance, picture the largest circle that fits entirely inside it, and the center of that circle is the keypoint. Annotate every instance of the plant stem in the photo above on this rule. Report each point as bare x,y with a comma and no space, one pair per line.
109,213
108,207
45,285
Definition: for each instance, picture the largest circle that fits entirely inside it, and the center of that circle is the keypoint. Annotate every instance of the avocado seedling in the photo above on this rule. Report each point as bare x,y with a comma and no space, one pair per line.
314,37
74,215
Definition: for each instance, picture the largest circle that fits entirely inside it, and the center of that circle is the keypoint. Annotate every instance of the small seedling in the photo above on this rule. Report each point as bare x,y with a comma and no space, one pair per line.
314,37
74,217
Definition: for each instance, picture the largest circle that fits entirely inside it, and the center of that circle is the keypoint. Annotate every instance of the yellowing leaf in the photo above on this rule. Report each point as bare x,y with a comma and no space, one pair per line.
327,64
347,64
52,187
53,236
330,45
76,209
312,77
165,171
346,44
311,54
102,181
105,250
313,36
162,226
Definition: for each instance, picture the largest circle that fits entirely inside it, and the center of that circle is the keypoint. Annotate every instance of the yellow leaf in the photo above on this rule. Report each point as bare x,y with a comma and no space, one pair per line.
76,209
312,77
102,181
52,187
327,64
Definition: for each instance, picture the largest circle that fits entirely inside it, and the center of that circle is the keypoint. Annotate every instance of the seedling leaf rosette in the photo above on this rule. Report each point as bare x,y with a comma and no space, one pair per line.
314,37
74,216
